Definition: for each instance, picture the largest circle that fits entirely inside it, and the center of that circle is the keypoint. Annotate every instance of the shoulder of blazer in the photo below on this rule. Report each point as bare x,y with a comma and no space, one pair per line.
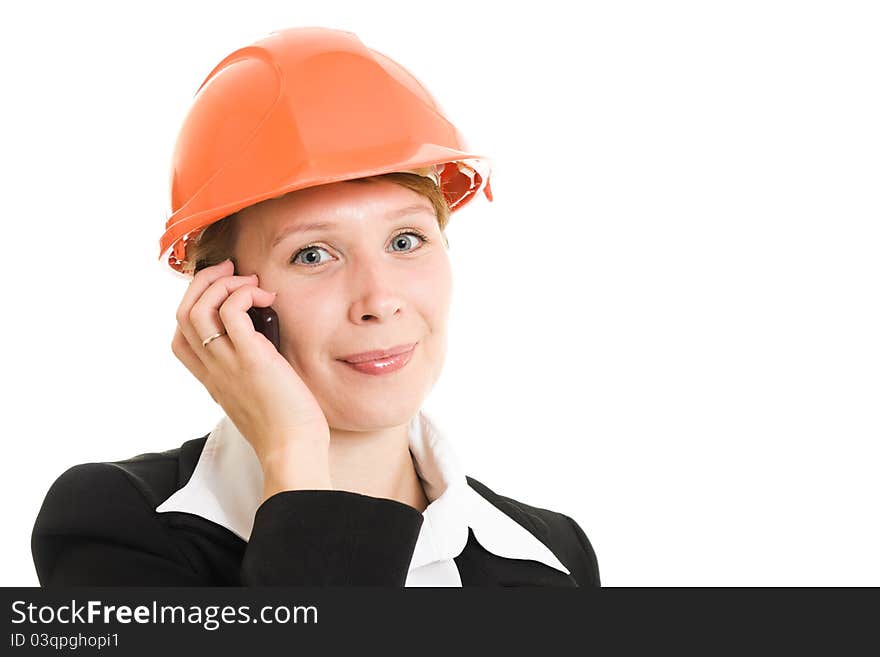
105,510
143,480
559,532
160,474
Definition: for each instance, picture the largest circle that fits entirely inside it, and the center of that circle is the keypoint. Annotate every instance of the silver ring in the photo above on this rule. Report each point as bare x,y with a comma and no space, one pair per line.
208,340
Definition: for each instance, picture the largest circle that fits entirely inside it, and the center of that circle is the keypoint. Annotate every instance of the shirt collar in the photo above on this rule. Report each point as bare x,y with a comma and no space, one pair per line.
226,488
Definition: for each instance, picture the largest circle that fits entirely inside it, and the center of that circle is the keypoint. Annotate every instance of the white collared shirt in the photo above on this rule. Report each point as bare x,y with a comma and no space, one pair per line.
226,487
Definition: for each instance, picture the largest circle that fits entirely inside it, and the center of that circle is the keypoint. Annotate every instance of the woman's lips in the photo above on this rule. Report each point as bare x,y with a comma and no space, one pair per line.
376,354
385,365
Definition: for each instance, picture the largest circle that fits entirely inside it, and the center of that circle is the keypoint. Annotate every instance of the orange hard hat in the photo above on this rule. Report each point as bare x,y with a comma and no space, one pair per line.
302,107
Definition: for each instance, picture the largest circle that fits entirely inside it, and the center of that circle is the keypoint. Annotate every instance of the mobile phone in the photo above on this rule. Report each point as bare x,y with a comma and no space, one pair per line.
265,320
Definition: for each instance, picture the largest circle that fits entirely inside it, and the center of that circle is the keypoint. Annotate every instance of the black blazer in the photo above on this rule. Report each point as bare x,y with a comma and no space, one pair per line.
98,526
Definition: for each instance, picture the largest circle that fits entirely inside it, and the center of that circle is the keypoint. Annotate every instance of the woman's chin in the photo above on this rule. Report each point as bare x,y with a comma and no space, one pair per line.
378,414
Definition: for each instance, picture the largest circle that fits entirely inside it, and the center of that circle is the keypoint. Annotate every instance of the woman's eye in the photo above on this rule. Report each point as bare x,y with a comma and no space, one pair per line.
311,258
399,238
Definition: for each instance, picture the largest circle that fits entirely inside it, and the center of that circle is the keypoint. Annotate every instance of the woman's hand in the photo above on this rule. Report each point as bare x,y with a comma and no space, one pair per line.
243,372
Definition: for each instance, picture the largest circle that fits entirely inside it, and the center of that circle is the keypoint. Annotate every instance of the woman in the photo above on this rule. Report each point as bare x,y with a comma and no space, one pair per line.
316,177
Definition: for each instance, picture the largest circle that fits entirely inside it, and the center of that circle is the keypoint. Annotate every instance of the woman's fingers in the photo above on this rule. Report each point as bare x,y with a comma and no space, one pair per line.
198,285
239,327
205,321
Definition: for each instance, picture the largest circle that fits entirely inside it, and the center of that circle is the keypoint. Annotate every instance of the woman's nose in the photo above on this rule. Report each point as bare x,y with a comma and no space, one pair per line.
375,293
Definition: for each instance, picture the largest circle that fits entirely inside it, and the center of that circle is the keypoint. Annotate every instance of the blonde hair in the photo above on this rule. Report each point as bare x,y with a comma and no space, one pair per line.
216,243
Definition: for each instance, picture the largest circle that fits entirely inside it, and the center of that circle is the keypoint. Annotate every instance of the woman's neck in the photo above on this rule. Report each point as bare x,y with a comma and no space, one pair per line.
376,463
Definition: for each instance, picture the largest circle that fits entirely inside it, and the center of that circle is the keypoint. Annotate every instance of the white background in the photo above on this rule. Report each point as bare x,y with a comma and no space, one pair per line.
666,325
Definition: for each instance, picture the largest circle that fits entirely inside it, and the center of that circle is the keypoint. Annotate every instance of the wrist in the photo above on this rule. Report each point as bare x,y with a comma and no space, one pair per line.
300,467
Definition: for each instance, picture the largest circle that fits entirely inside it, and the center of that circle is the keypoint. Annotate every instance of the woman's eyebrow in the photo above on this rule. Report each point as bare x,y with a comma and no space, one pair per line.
323,225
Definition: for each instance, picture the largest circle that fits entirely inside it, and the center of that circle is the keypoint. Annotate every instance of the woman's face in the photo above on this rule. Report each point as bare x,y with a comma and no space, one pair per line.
365,282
